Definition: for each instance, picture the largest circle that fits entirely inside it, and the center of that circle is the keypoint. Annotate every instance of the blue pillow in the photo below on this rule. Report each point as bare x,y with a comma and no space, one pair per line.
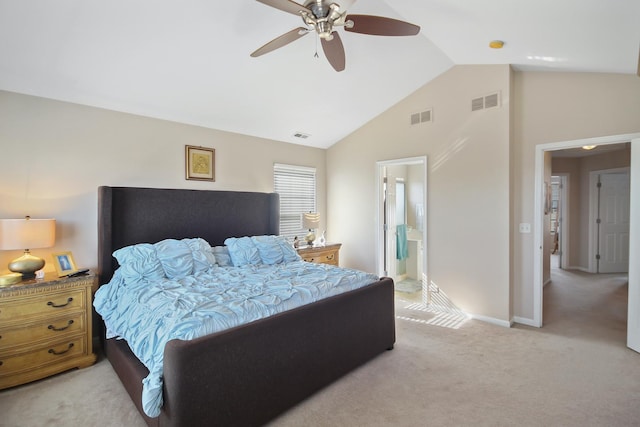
175,257
242,251
203,258
139,262
288,251
269,249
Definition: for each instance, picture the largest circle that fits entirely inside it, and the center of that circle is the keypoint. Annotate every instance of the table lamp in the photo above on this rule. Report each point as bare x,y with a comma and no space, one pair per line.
310,221
27,234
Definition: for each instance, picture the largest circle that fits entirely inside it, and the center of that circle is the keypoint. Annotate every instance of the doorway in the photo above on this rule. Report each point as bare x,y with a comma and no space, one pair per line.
402,225
633,322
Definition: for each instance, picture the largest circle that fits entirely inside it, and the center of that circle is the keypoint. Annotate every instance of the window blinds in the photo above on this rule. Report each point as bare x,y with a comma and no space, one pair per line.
296,186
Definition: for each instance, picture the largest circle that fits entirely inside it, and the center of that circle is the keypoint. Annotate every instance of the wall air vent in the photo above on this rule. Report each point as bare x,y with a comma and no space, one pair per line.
301,135
491,100
477,104
422,117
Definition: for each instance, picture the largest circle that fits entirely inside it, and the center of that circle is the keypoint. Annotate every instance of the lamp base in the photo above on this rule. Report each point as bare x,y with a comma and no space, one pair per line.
310,237
27,265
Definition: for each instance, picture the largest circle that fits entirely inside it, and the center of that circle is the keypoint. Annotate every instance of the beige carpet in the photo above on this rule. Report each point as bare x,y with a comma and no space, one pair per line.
444,371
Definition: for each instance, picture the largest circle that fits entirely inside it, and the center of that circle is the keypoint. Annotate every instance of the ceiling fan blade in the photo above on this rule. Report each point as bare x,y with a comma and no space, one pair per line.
287,6
380,26
334,51
283,40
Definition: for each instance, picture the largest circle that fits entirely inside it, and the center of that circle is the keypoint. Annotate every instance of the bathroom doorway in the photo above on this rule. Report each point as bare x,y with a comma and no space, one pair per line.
402,226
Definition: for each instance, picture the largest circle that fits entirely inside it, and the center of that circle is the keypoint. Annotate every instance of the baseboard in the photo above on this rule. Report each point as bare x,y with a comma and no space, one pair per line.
524,321
492,320
458,312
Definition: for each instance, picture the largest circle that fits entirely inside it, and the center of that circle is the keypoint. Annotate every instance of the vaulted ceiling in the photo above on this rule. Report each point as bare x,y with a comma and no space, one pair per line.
188,60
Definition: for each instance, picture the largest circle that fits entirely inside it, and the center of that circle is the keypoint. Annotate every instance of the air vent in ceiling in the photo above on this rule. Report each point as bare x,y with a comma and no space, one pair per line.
422,117
491,100
301,135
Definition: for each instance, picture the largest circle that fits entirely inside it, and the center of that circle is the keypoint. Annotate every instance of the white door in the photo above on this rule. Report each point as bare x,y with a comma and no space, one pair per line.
390,226
614,223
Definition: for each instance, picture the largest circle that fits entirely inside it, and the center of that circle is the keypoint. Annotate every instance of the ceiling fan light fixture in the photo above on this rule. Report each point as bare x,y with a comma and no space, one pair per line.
324,29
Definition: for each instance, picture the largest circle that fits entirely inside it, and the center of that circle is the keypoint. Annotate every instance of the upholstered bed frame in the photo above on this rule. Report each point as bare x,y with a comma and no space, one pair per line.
247,375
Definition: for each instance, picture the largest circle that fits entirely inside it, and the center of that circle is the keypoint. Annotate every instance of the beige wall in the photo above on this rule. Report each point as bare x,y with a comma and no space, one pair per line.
56,154
480,170
555,107
468,185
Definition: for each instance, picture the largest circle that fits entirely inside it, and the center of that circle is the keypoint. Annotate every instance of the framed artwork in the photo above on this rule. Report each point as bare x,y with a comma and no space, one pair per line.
200,163
64,263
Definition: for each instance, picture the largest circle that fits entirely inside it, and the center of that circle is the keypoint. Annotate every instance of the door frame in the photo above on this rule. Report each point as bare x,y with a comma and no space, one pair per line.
633,320
380,165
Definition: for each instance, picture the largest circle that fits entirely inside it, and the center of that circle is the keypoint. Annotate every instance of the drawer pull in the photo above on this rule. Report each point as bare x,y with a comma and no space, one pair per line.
330,257
57,353
53,328
52,304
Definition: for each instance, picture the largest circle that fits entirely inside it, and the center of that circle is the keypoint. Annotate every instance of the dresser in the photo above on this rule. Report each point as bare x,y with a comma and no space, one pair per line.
327,254
45,328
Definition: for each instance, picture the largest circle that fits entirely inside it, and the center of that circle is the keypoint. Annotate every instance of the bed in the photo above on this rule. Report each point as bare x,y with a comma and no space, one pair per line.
249,374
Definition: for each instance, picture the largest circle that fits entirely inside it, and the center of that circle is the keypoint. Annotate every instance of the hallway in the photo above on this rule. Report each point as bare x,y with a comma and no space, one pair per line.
586,306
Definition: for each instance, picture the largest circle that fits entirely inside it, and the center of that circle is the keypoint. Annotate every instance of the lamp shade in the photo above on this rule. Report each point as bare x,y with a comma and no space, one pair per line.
27,233
310,220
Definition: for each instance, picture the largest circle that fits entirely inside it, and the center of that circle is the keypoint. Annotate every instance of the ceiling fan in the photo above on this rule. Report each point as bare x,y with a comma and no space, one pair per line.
323,17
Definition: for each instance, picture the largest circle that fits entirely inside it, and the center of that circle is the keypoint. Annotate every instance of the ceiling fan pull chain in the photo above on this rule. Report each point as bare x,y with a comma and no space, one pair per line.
316,54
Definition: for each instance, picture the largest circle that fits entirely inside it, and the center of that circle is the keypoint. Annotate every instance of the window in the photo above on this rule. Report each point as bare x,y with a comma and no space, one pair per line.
296,186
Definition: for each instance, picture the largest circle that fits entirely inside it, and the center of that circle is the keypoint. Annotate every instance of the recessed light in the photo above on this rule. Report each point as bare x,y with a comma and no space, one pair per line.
496,44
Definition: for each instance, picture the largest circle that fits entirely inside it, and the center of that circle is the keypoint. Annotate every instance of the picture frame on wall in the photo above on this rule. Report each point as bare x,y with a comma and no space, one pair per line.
200,163
64,263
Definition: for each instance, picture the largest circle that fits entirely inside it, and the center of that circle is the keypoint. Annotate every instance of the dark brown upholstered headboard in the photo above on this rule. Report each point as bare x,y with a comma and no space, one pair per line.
129,215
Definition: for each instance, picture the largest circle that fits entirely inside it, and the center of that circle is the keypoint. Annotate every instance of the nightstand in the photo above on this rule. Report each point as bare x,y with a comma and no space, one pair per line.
45,328
327,254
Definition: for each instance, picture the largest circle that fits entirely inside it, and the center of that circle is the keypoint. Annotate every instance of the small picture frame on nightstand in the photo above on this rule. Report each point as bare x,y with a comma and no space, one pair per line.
64,263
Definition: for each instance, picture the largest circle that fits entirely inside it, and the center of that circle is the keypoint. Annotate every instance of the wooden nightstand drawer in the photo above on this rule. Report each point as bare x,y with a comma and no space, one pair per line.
53,329
328,254
34,358
42,305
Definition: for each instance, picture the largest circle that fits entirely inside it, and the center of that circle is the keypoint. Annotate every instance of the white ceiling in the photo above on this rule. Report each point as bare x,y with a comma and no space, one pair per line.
188,60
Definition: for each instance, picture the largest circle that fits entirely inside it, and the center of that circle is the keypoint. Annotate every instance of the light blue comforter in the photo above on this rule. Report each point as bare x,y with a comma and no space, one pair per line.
149,314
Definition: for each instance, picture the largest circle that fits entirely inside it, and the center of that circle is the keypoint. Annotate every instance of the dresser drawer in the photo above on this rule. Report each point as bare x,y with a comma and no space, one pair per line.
42,305
51,329
36,357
